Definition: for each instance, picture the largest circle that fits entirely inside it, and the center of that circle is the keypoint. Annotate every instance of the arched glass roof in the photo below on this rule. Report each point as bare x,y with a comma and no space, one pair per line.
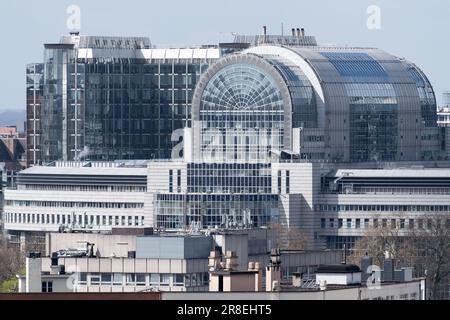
241,87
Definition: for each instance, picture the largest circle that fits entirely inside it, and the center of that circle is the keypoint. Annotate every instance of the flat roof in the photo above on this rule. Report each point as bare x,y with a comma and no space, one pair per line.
394,173
107,171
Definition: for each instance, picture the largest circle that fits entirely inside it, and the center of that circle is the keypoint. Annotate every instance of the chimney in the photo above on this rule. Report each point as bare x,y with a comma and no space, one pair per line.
297,279
33,272
298,32
214,260
293,32
264,30
254,266
273,271
302,30
323,285
230,260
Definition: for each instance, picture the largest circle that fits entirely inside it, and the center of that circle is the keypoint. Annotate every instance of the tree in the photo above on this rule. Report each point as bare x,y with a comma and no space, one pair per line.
433,244
385,239
289,238
424,246
11,261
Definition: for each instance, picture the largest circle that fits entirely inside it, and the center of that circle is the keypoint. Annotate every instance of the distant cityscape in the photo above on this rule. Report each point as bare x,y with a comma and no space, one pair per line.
269,165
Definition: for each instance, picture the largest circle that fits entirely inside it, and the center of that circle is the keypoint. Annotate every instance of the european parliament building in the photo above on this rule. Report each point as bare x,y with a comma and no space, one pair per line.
265,129
109,98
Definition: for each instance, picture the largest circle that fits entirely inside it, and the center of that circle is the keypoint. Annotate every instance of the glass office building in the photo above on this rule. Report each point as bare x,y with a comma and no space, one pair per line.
34,94
343,104
107,98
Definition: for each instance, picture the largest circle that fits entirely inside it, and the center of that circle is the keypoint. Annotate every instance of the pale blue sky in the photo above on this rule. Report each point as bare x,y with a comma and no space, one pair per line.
416,30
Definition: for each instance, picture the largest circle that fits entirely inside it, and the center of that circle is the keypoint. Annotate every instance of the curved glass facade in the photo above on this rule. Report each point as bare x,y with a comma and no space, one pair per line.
373,106
241,114
426,95
304,108
349,104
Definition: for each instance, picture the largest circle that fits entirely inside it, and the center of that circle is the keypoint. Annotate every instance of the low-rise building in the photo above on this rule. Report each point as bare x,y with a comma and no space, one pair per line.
159,262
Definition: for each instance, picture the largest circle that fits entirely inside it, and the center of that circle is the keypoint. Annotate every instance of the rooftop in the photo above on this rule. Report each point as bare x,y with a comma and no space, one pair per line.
338,268
99,171
412,172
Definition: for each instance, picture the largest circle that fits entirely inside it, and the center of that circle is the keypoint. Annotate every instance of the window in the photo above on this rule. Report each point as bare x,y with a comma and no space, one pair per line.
366,223
194,279
287,181
357,223
322,223
205,278
164,279
187,280
349,223
131,278
117,279
420,223
279,181
95,279
47,286
411,223
106,278
340,223
140,279
429,223
393,223
375,223
178,180
404,296
178,279
82,278
402,223
384,223
170,180
331,223
154,279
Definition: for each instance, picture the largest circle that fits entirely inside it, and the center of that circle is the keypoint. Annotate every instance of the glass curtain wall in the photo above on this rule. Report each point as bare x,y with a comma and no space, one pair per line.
242,115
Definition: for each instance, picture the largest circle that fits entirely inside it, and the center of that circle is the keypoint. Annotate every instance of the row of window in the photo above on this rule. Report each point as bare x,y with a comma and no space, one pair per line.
75,219
144,279
83,188
393,190
350,223
229,178
390,208
171,180
71,204
404,296
287,181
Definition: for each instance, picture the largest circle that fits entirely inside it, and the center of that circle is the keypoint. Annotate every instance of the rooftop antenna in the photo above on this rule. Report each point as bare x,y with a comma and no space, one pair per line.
264,34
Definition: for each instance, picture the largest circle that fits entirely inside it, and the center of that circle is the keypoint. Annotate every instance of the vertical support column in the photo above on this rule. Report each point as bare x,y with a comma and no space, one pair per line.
64,107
